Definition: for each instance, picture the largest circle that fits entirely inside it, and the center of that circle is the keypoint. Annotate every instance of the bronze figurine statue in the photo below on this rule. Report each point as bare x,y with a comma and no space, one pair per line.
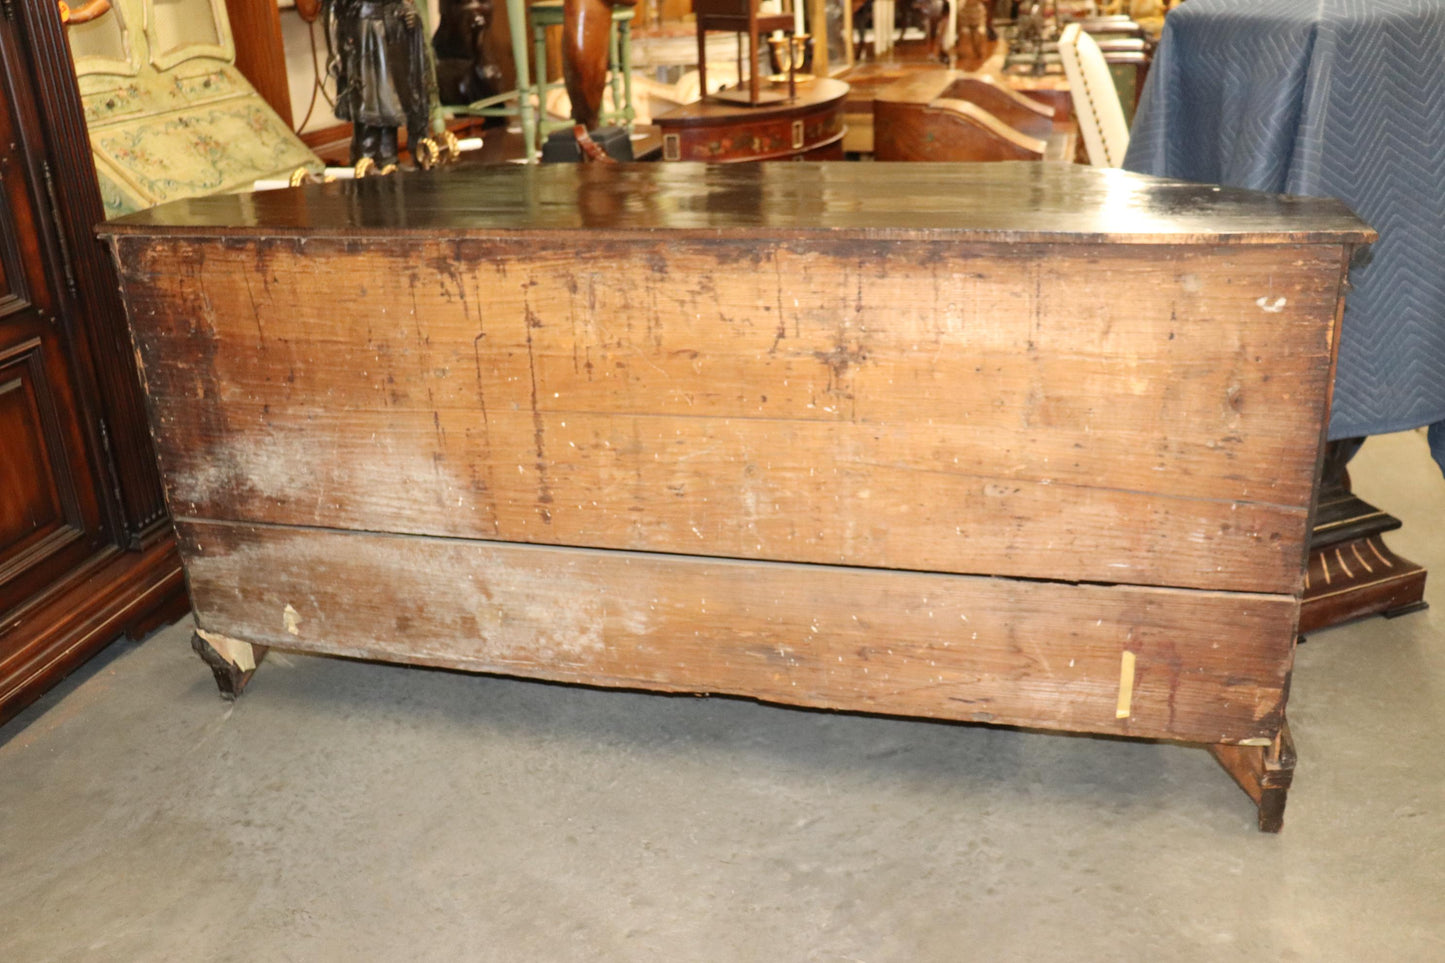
379,58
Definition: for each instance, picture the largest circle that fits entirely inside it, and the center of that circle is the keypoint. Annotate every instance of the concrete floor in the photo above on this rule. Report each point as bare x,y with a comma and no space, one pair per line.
347,811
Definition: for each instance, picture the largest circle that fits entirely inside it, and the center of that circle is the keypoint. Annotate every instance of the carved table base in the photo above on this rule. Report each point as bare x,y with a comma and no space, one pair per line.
1352,574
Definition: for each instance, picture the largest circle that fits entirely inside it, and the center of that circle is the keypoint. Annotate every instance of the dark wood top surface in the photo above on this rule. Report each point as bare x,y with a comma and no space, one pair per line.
1019,202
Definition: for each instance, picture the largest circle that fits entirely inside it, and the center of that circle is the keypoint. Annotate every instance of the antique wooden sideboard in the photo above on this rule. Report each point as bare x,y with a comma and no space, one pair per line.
809,127
1007,443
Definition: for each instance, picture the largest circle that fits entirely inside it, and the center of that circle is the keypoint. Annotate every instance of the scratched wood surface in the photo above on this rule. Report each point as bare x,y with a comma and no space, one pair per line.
1045,411
962,442
996,203
1208,666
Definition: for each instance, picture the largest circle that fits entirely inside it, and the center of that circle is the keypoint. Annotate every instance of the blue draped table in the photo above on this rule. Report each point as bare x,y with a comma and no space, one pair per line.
1332,98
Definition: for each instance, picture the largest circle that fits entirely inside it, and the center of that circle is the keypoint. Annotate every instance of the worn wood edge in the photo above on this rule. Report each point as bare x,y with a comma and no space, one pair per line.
226,657
1325,221
751,232
316,634
1265,773
264,642
238,653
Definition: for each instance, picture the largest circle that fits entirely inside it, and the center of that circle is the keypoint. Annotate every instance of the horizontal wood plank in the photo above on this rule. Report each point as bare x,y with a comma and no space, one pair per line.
1209,667
909,405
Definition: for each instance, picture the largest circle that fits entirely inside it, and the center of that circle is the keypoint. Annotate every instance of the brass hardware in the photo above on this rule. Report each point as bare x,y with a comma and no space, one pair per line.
427,154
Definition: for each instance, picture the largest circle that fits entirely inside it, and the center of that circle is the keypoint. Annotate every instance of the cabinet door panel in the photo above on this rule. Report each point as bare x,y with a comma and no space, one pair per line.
49,510
42,526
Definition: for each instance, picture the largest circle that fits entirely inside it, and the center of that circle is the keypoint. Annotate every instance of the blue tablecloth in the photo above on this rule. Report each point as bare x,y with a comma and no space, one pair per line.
1332,98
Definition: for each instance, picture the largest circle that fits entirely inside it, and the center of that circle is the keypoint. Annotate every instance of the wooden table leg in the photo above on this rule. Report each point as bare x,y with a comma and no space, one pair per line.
1264,773
232,661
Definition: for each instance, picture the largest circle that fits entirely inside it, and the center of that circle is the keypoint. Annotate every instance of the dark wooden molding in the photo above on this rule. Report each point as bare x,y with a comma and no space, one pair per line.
129,593
88,550
101,337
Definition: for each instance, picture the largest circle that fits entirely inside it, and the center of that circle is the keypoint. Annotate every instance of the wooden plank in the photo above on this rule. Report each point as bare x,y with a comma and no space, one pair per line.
903,406
997,203
1209,667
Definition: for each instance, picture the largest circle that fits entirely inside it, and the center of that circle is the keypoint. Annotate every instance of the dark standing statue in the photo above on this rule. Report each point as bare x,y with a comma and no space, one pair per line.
378,57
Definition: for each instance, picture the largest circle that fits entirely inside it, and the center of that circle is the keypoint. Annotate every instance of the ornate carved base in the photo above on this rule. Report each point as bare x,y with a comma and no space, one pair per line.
1264,773
232,661
1352,574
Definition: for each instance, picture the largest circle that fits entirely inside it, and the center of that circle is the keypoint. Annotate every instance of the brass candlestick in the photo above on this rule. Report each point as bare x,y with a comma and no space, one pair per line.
790,56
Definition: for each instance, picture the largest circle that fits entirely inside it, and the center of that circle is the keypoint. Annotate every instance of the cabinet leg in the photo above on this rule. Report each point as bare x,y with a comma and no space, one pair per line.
232,661
1264,773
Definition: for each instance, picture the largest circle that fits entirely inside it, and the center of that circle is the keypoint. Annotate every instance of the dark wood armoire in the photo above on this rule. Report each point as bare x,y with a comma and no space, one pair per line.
86,548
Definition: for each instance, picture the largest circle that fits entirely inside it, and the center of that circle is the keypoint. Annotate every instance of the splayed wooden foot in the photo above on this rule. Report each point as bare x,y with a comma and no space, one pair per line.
1264,772
232,661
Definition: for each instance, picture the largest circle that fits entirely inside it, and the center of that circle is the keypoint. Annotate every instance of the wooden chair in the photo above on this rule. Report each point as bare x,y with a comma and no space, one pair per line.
1096,99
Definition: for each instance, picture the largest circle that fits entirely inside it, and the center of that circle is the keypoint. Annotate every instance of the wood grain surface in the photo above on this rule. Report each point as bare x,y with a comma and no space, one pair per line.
1209,667
1044,411
995,203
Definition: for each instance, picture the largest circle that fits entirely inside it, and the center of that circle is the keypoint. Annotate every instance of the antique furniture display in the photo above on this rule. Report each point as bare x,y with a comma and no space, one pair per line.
947,115
741,17
1127,50
169,114
260,45
1334,99
1022,444
521,101
808,128
86,550
596,43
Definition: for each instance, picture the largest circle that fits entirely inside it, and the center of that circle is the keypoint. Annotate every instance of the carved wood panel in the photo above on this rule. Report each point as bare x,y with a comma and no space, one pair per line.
50,517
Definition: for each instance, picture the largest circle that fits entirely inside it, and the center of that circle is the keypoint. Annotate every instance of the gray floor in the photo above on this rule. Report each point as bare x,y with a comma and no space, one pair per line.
346,811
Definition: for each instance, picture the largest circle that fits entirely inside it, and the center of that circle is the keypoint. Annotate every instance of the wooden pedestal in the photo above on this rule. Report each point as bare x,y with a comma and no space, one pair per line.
1352,573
